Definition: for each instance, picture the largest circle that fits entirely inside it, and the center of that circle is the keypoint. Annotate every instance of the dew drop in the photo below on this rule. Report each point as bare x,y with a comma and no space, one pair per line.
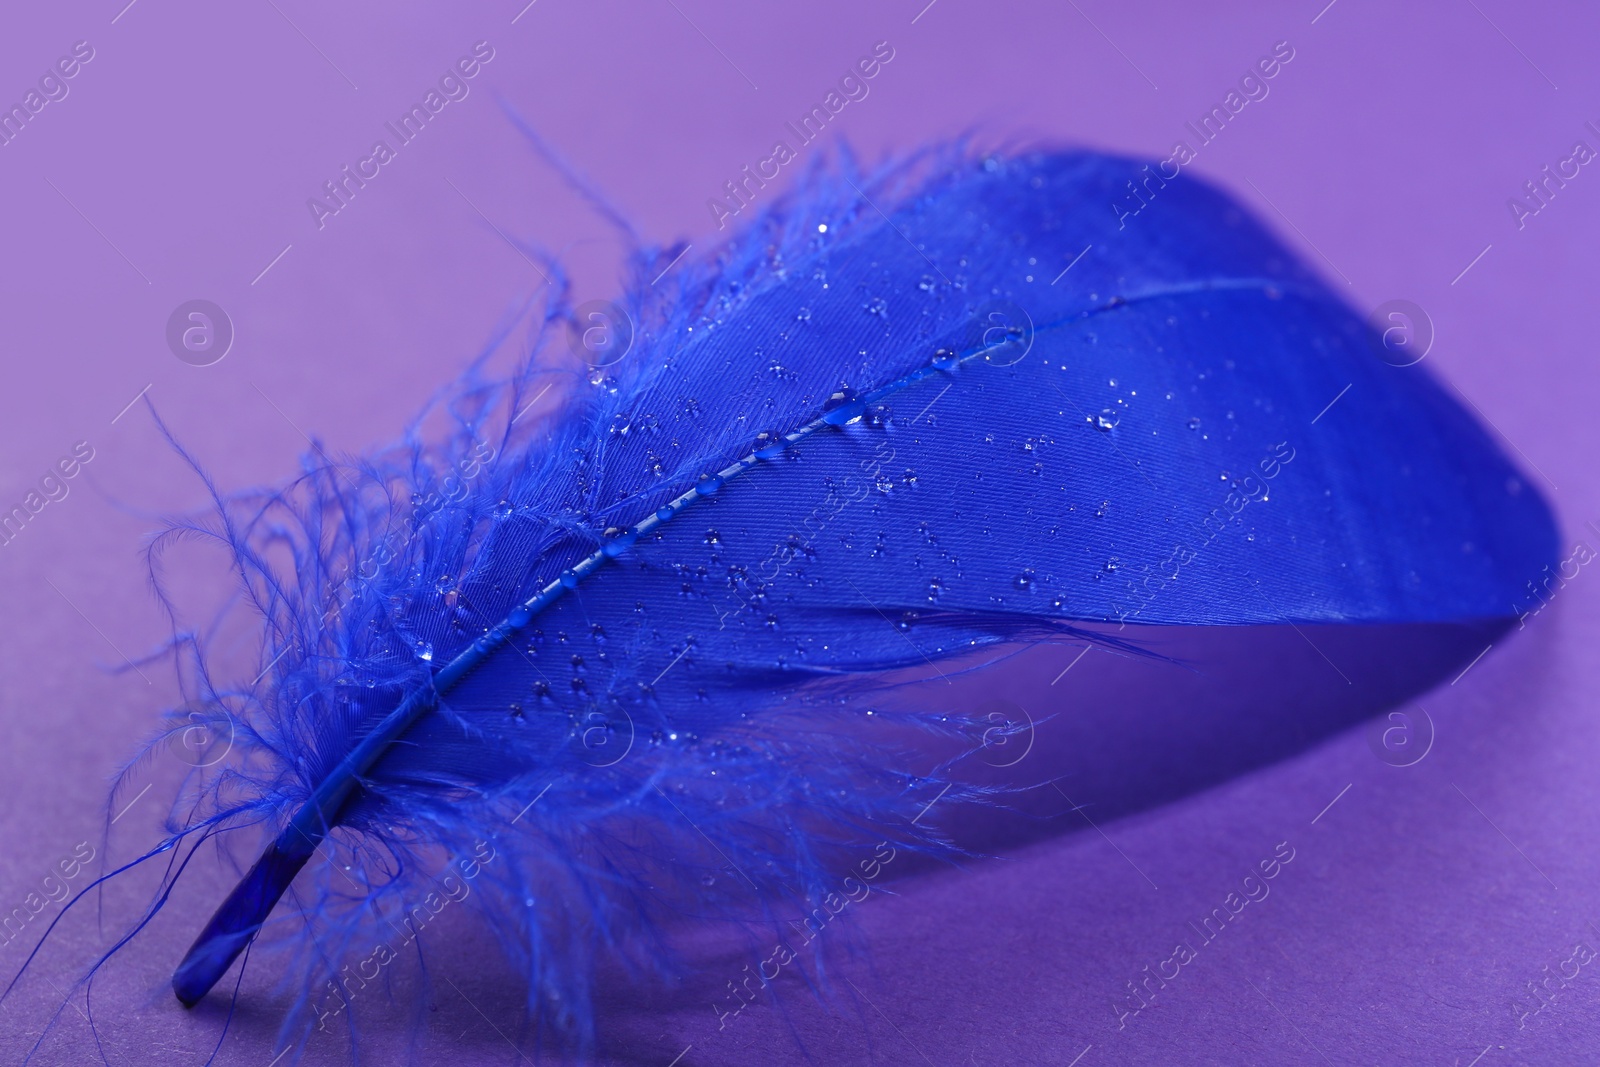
620,543
945,359
770,445
708,484
843,407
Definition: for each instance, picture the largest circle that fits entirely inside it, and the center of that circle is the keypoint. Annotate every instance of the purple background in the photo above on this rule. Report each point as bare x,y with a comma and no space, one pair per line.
178,167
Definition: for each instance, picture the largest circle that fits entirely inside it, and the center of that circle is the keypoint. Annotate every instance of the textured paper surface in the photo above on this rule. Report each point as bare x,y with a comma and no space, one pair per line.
177,166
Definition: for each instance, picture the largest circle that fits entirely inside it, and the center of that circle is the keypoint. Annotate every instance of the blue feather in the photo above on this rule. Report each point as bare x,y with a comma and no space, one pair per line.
631,648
